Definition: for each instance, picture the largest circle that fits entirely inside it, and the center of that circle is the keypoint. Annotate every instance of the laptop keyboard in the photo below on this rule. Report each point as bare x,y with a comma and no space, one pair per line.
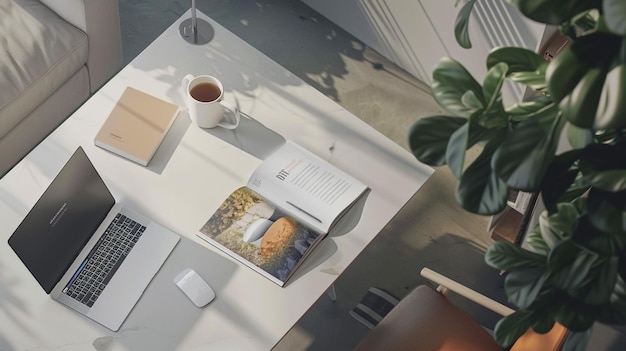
104,260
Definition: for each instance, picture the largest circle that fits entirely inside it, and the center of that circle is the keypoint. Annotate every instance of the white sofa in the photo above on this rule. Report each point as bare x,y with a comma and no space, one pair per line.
53,55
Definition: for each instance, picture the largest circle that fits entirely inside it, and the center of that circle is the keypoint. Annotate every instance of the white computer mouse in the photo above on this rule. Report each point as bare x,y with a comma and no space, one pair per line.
196,289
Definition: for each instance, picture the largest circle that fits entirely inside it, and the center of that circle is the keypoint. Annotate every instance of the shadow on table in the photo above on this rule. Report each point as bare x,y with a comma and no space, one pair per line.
164,315
350,218
169,144
10,304
250,136
327,248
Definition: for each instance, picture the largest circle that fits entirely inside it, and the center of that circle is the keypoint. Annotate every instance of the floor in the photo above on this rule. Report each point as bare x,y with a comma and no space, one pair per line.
431,231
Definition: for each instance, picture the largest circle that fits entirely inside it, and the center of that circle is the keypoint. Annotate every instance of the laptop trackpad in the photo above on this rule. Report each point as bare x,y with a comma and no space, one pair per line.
131,279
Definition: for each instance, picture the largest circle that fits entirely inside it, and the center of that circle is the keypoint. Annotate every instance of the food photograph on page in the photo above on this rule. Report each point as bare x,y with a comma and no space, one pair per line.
260,234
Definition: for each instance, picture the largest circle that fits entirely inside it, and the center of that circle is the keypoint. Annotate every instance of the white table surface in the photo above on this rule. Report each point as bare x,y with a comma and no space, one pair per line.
191,174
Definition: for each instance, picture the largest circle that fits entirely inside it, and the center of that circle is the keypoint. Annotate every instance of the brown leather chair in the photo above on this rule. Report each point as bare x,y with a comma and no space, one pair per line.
426,320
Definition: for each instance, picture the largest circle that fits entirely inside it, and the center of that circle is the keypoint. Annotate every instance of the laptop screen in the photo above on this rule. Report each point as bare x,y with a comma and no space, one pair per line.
62,221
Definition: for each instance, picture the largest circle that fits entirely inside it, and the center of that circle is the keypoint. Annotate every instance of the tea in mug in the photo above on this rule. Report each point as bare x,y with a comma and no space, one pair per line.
205,92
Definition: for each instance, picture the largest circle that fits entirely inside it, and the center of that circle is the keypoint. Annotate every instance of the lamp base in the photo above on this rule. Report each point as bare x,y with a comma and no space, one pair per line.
203,35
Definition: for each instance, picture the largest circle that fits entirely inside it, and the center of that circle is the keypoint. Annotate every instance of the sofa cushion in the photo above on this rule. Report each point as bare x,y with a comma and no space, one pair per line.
39,52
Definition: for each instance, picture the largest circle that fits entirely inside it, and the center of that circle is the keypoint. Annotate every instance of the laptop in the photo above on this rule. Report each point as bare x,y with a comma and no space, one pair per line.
87,251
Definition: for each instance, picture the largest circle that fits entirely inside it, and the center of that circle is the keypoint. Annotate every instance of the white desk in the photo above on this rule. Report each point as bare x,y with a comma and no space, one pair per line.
191,174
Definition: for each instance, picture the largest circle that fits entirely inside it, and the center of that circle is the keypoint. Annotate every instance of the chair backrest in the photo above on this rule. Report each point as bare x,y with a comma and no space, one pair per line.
530,341
425,320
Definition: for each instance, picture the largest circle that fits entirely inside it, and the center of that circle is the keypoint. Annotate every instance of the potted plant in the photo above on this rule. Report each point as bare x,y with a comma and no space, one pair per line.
572,269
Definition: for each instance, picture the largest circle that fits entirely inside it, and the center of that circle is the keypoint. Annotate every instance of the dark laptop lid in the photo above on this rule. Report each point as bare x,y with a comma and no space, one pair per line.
62,221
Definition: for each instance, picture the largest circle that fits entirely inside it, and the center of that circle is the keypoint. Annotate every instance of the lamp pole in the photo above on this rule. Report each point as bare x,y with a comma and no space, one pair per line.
196,30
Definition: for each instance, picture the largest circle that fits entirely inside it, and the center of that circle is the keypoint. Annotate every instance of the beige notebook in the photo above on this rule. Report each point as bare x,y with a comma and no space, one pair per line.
136,126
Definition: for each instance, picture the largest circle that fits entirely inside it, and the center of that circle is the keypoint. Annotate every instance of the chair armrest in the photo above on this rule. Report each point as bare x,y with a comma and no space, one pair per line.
100,20
446,283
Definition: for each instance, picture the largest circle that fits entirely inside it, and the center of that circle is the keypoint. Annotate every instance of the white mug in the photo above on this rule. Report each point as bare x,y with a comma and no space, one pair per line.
204,101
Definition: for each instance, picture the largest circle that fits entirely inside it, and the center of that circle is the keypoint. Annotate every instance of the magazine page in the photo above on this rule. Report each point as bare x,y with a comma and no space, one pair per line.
260,235
306,186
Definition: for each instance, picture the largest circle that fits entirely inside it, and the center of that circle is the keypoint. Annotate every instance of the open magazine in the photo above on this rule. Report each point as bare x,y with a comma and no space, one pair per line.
289,204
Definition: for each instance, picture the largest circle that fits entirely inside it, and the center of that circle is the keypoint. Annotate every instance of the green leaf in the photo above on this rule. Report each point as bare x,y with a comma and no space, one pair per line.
511,327
579,137
517,59
450,82
615,15
579,107
566,69
607,210
604,166
603,243
576,191
611,112
524,66
493,83
524,158
559,177
560,225
461,140
461,32
621,266
612,181
542,325
528,108
471,101
575,315
564,72
562,254
615,311
523,286
549,235
535,243
554,11
455,152
509,257
534,80
493,115
428,138
603,283
570,267
480,190
565,218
